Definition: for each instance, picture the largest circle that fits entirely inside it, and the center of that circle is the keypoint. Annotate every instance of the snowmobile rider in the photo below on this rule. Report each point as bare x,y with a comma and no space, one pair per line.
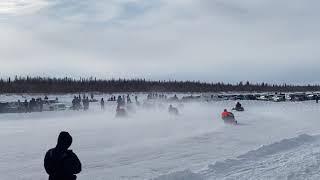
226,114
238,105
61,163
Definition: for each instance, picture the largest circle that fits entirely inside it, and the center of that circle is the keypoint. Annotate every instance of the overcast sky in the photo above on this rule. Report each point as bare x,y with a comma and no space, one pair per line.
208,40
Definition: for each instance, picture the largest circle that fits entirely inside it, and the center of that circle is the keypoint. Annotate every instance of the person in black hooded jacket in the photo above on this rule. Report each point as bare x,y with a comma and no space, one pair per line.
61,163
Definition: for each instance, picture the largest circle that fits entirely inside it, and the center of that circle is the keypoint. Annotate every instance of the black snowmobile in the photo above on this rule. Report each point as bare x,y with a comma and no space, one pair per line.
238,109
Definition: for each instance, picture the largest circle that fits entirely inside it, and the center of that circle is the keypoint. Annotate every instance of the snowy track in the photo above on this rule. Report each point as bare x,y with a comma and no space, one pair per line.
151,144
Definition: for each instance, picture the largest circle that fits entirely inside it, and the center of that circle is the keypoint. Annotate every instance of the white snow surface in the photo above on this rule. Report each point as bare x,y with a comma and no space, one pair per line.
272,141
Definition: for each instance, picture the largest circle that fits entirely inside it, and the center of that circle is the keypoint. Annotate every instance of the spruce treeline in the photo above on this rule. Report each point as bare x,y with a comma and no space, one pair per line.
71,85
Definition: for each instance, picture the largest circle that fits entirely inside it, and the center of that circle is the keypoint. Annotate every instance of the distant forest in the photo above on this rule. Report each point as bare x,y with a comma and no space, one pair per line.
71,85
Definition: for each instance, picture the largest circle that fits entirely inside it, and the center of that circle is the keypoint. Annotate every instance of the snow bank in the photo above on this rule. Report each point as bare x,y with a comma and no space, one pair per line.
265,150
233,168
277,147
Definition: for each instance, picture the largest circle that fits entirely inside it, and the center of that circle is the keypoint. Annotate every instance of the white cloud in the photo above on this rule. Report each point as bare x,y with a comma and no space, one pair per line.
217,40
18,7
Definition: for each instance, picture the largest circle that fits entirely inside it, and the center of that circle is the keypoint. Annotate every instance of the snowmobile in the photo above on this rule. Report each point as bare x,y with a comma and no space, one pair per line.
238,109
230,119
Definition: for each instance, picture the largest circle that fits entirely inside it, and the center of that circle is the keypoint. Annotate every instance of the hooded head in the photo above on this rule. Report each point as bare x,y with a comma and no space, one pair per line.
64,140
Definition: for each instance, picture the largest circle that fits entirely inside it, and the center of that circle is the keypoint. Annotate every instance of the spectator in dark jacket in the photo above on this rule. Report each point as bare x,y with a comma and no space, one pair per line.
61,163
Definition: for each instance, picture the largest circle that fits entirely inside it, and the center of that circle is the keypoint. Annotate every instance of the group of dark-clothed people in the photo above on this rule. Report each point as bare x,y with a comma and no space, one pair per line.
156,96
76,103
112,98
34,105
121,101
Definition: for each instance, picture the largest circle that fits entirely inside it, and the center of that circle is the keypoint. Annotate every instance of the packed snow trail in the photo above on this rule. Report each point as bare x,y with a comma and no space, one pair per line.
151,143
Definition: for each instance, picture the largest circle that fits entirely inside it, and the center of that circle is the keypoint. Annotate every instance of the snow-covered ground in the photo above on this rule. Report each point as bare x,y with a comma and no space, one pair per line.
272,141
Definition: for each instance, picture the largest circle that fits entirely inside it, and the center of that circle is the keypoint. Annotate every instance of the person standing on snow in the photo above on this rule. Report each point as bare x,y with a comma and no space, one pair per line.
102,103
61,163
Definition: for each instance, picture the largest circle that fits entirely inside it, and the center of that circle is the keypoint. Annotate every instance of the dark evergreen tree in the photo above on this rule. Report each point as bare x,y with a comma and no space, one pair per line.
70,85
